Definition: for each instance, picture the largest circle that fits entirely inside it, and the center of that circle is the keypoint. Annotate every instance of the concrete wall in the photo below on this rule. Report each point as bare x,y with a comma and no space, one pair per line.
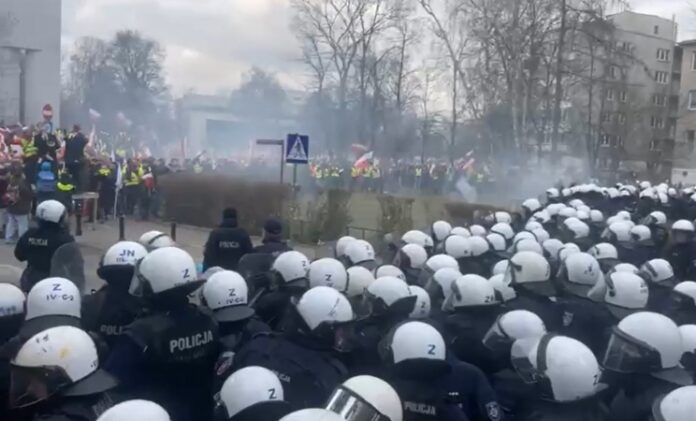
32,28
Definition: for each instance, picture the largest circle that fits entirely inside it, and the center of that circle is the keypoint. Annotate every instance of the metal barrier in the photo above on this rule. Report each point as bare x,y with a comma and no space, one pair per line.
363,232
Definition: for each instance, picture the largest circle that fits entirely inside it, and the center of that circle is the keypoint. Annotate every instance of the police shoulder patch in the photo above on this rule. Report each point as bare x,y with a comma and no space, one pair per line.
493,411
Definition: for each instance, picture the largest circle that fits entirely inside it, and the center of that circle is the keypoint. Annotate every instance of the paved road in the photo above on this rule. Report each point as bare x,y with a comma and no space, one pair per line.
95,242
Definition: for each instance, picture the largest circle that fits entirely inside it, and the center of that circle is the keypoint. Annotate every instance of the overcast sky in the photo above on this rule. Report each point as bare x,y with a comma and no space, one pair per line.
211,43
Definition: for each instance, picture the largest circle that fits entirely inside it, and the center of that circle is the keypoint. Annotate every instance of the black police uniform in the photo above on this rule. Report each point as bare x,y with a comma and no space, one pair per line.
540,305
226,245
168,357
309,371
273,306
234,335
464,331
587,321
87,407
460,393
36,247
634,400
681,256
590,409
109,312
272,247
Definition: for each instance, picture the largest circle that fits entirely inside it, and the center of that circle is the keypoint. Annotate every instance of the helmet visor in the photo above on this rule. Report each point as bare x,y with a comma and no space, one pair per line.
519,357
31,385
496,339
625,354
351,407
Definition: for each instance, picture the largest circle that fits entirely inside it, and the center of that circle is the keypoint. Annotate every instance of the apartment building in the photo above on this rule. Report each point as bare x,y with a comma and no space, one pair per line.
684,169
637,116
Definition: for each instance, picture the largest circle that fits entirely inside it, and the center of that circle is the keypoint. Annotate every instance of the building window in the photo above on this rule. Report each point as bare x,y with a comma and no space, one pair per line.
691,136
654,145
693,60
692,100
623,96
606,117
621,118
605,141
663,54
619,140
613,72
662,77
656,30
657,122
610,94
659,100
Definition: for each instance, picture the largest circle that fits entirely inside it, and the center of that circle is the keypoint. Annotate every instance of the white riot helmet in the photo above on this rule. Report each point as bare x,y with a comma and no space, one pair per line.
387,295
567,250
51,300
688,334
421,310
135,410
478,231
434,264
626,293
576,203
498,244
523,235
410,259
365,398
618,232
646,342
562,368
511,326
152,240
683,225
470,291
505,230
527,244
606,255
583,215
313,414
12,301
551,248
324,313
341,246
441,229
553,193
62,360
578,228
567,212
389,270
457,246
226,293
657,218
684,293
627,267
413,341
658,272
532,225
359,278
418,237
328,272
596,217
503,291
440,284
502,217
252,391
501,267
461,231
50,211
541,217
360,252
118,263
641,234
531,205
678,405
541,235
579,273
479,246
291,268
531,271
163,270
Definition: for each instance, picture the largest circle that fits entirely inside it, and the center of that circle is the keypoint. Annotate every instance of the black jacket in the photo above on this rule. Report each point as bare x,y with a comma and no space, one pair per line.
591,409
273,247
75,147
226,245
36,247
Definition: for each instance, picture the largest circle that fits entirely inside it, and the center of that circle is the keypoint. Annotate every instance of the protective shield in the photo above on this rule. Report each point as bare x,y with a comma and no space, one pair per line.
67,262
10,274
255,268
351,407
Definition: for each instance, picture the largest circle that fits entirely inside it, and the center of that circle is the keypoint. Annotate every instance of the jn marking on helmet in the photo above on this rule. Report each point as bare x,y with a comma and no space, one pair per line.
127,253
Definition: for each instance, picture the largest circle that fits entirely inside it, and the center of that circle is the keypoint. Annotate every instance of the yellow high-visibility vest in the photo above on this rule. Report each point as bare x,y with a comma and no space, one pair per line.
29,149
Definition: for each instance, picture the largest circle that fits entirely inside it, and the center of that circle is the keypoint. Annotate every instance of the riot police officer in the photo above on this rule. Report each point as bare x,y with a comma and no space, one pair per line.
169,354
135,410
37,245
303,356
360,252
659,275
643,356
251,394
59,369
682,308
410,260
678,405
272,242
12,303
289,280
680,253
109,310
366,398
431,386
328,272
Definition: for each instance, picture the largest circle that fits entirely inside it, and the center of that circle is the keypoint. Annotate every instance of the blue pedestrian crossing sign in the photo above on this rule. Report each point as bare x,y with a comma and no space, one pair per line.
297,149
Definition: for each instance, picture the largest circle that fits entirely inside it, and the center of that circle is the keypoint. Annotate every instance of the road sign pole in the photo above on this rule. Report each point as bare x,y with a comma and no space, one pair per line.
282,162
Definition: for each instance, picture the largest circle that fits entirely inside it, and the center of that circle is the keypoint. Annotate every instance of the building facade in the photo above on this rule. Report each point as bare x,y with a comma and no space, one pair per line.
30,33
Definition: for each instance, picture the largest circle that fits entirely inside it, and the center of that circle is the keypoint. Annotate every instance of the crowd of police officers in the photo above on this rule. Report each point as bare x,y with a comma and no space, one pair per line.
580,308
